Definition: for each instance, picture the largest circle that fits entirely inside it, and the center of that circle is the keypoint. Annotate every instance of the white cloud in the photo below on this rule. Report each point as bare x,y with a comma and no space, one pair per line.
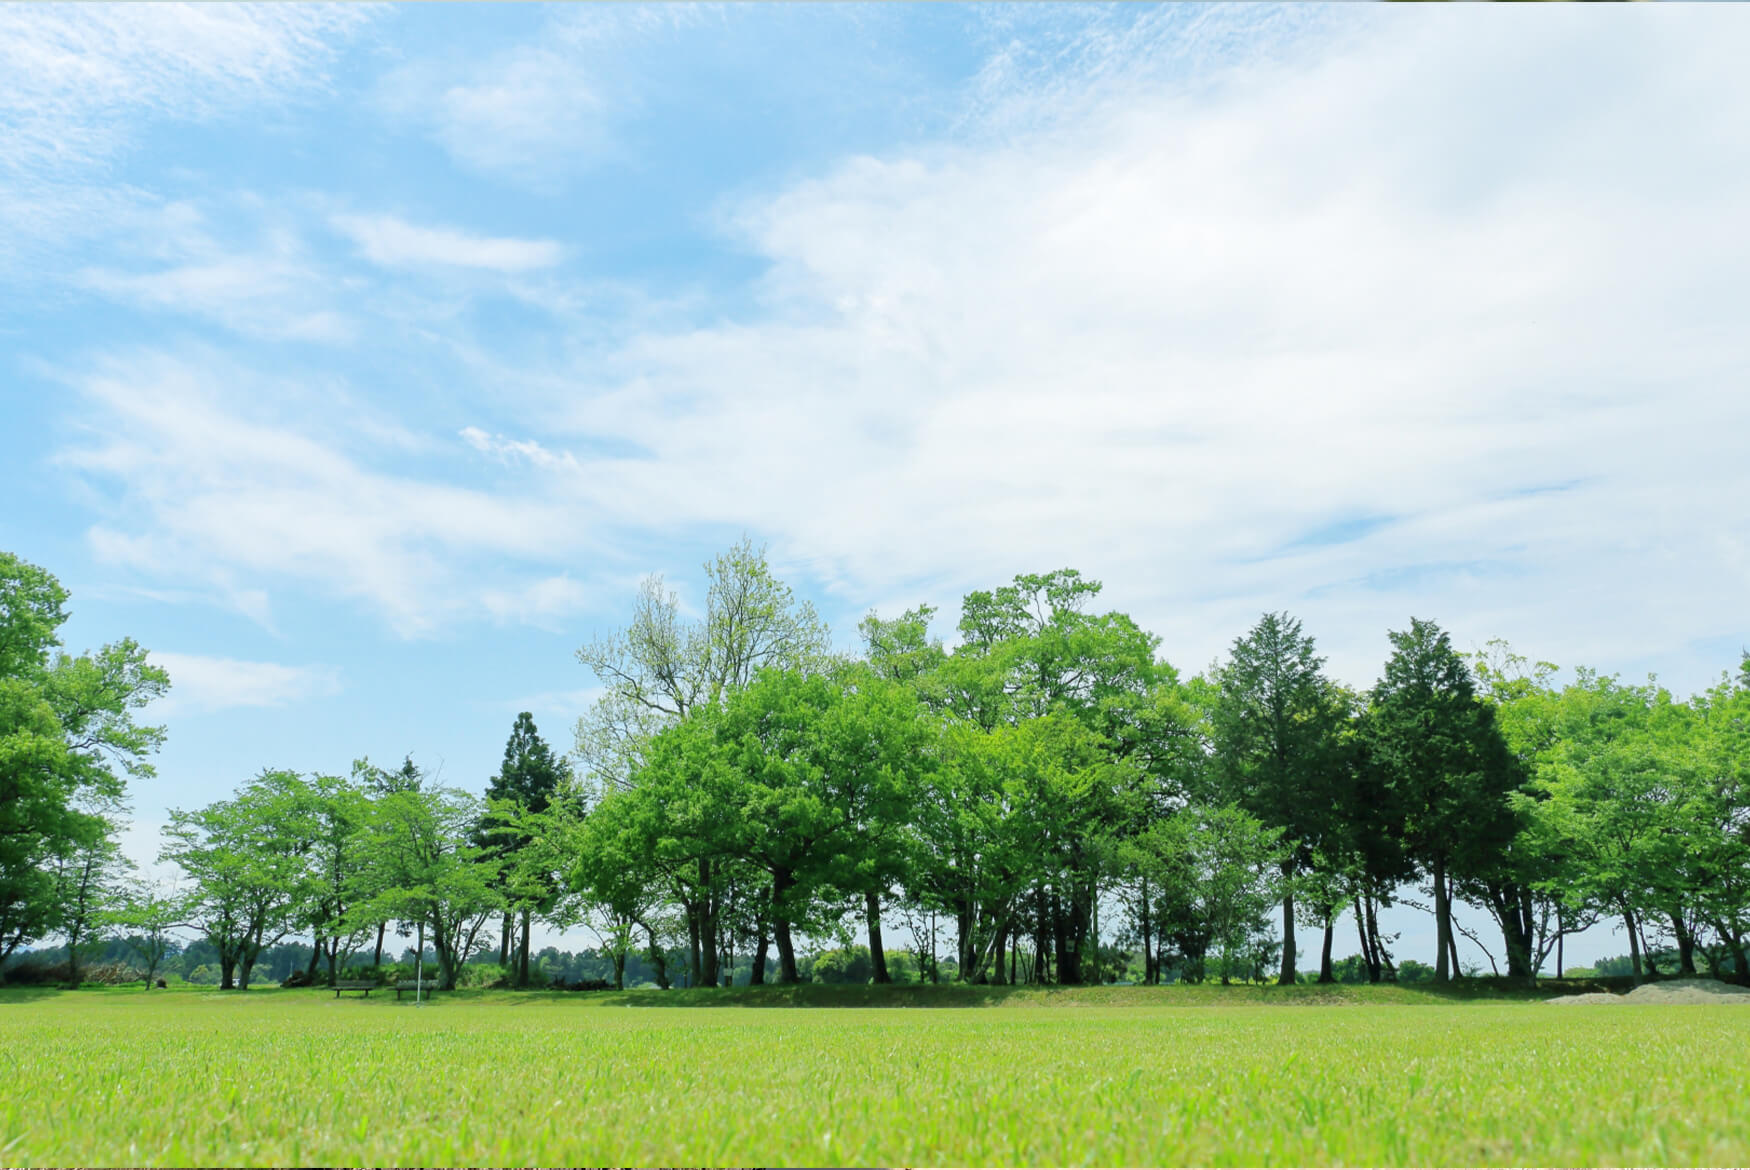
1178,334
83,80
200,685
541,111
514,450
526,114
394,243
76,73
1416,318
243,293
206,484
539,602
563,706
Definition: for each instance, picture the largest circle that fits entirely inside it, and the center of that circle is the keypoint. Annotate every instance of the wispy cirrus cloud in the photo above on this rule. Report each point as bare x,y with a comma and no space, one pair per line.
201,685
540,111
395,243
85,81
213,473
79,78
518,450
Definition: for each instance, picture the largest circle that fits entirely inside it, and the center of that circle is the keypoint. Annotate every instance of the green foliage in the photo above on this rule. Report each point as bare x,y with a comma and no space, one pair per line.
68,741
845,965
1442,764
246,859
1278,729
662,667
431,873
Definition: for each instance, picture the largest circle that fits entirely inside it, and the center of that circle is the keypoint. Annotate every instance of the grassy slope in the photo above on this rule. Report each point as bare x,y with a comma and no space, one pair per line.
1108,1076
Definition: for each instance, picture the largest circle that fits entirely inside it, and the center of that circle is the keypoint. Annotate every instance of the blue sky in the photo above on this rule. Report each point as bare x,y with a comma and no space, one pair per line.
359,362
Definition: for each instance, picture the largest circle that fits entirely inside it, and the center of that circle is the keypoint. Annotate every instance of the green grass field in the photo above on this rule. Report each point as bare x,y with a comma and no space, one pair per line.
1123,1076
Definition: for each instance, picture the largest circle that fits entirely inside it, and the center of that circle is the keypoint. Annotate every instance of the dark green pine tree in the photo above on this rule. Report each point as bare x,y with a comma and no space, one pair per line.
527,782
1439,752
1277,730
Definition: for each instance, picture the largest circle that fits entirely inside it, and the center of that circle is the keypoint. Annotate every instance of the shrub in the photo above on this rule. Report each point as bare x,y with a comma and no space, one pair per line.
1411,971
32,970
484,975
111,974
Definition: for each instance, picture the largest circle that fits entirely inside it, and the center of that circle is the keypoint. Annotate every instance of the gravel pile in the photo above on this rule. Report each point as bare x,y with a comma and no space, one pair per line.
1669,991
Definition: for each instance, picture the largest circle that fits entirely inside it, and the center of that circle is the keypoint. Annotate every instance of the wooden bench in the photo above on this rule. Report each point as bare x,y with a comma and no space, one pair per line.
365,985
428,986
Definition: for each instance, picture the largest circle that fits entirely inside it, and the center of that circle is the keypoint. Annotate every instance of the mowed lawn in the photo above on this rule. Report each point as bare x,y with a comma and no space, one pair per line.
291,1078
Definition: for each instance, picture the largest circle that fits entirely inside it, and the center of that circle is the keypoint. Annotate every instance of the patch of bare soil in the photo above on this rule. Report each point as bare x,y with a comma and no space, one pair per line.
1668,991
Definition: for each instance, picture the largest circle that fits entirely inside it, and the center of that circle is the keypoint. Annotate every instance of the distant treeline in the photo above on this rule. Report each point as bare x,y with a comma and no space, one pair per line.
1047,800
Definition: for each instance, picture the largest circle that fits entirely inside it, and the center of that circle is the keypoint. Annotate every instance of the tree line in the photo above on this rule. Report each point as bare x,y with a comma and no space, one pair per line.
1046,800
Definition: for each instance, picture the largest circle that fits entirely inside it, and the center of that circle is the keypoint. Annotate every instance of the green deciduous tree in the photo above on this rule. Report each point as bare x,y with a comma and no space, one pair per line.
661,666
89,889
147,913
68,743
431,872
247,863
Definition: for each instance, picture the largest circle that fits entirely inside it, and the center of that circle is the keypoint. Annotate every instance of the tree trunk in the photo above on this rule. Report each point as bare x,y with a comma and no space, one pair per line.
1442,924
1740,962
695,966
1327,973
1069,971
246,964
1646,951
504,940
708,941
377,958
877,952
1144,926
1634,942
1040,934
227,973
1289,951
1685,944
756,974
782,880
522,969
1382,957
1368,959
999,958
315,957
619,957
443,944
786,952
1512,905
963,924
1094,931
658,960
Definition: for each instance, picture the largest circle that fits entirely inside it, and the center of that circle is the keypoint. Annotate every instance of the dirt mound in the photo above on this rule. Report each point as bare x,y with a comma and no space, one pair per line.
1689,991
1669,991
